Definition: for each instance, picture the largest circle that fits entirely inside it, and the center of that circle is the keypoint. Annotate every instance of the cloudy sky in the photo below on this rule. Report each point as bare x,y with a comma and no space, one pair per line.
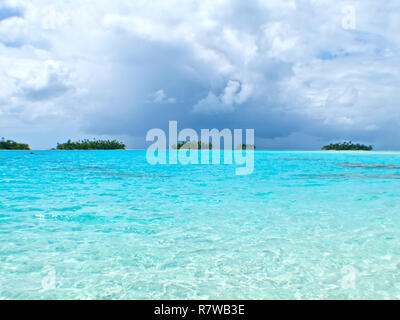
301,73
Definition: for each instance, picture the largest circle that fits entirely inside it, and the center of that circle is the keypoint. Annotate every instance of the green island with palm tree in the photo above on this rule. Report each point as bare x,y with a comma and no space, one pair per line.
13,145
192,145
91,145
347,146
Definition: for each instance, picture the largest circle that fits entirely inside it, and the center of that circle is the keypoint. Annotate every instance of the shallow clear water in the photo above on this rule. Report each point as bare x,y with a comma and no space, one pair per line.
105,224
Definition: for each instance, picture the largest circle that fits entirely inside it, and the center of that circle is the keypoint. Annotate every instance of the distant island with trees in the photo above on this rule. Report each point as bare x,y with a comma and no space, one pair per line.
91,145
245,147
199,145
192,145
13,145
347,146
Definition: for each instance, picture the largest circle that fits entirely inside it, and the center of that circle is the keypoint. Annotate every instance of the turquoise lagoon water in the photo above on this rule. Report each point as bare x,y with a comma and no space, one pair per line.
110,226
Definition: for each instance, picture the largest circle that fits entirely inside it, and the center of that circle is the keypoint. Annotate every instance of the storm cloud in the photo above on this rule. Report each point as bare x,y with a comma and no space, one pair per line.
291,70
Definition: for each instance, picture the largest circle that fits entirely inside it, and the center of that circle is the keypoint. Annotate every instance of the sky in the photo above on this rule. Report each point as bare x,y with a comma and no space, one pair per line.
300,73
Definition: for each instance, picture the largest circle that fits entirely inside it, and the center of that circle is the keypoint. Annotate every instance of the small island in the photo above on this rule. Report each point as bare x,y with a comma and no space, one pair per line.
245,147
192,145
91,145
12,145
347,146
199,145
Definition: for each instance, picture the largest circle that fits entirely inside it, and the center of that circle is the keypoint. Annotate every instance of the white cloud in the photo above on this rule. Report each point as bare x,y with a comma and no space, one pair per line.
211,105
160,97
230,92
233,94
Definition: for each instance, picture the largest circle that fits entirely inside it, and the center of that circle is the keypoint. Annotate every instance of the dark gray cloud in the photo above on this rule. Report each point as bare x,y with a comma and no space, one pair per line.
290,70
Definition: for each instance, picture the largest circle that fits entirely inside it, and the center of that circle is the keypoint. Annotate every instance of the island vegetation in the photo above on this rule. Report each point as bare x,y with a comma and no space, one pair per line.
198,145
13,145
347,146
91,145
192,145
245,147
